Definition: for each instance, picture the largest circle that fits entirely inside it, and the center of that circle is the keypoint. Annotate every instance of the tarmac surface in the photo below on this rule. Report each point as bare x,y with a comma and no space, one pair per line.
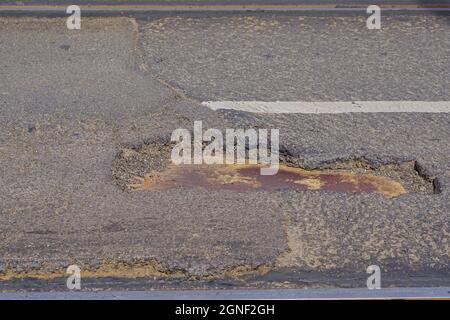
121,7
270,294
226,2
72,101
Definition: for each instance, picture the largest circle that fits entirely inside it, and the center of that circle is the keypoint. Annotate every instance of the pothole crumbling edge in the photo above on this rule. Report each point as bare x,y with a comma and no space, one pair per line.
137,161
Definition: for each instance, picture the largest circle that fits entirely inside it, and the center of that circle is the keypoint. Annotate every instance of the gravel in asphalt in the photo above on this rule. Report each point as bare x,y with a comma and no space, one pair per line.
71,101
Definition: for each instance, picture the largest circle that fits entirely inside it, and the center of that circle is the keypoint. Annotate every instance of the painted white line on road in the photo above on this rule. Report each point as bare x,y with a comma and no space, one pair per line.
332,107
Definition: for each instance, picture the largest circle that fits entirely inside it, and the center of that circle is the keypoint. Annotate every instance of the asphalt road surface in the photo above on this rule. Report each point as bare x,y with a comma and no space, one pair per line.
224,4
290,294
75,102
228,2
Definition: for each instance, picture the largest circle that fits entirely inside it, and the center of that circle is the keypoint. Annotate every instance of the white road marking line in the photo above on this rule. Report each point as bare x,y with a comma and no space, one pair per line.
331,107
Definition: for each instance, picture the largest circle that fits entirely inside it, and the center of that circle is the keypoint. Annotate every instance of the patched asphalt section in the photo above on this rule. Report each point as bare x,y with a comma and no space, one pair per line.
70,103
271,57
316,58
59,204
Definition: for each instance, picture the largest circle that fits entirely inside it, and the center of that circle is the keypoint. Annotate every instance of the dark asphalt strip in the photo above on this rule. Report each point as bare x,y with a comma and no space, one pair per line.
104,6
230,2
361,293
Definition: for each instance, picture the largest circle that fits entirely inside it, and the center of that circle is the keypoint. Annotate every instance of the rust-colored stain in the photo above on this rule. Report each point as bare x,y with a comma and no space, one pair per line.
247,177
134,270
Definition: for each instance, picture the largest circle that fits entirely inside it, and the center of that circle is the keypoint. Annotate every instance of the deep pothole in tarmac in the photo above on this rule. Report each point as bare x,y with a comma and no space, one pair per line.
149,167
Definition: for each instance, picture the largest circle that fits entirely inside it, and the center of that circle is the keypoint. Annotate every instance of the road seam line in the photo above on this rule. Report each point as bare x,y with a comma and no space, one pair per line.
222,7
331,107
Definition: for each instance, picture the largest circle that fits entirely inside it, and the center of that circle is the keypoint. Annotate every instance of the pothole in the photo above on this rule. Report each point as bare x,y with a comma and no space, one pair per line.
149,168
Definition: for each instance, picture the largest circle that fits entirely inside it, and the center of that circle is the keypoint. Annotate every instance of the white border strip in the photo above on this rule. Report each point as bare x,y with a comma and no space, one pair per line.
331,107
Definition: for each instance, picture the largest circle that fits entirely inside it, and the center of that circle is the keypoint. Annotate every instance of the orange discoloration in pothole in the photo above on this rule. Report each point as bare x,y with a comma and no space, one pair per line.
247,177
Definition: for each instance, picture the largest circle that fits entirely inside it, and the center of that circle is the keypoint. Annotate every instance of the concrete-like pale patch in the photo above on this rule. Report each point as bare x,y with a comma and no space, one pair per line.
151,268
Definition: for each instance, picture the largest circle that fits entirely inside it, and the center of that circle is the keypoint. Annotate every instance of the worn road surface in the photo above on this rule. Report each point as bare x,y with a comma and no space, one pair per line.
81,109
